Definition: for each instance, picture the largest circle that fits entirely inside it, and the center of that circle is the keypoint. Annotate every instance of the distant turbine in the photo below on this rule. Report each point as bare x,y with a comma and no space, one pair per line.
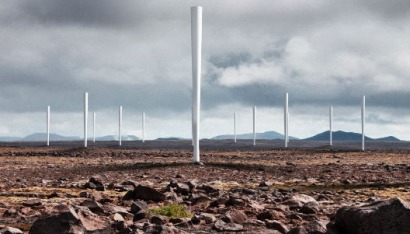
143,127
196,40
119,125
254,125
363,119
330,125
48,125
286,119
234,127
85,118
94,119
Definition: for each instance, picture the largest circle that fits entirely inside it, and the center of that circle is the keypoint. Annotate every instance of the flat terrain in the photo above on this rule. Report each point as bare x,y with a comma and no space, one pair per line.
341,174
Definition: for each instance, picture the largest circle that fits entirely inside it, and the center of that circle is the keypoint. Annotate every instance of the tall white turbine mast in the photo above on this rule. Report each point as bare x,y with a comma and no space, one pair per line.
330,125
85,118
286,119
363,119
254,125
94,119
119,125
143,127
196,40
48,125
234,127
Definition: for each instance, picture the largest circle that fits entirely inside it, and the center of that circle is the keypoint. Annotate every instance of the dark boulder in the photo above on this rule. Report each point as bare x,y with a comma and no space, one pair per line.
389,216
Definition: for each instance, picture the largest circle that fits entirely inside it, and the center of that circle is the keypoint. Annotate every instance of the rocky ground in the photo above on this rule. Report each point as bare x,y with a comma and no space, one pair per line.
66,189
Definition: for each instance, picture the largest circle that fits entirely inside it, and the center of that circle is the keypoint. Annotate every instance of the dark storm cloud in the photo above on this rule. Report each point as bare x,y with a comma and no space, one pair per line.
137,54
102,13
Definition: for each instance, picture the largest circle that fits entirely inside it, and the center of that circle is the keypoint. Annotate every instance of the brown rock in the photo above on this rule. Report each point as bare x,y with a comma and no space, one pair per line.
10,230
93,206
65,222
221,226
32,202
389,216
264,215
138,205
235,216
144,193
276,225
92,222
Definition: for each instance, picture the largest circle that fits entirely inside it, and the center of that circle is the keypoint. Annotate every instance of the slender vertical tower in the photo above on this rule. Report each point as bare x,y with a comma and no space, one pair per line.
196,40
143,127
363,119
254,125
330,125
94,119
287,126
234,127
85,118
48,125
286,113
119,125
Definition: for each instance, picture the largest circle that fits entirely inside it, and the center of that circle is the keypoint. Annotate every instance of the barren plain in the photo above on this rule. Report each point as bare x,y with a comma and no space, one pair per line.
261,189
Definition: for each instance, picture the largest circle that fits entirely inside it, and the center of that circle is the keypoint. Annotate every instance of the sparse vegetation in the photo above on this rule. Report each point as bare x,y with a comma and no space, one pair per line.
174,211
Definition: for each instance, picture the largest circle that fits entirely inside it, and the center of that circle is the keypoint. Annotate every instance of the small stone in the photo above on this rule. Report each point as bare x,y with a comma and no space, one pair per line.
138,205
32,202
276,225
139,215
10,230
53,195
221,226
158,219
118,218
264,215
94,206
208,218
236,216
265,184
144,193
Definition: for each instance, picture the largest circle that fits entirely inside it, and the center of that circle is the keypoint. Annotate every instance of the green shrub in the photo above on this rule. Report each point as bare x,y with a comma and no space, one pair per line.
174,211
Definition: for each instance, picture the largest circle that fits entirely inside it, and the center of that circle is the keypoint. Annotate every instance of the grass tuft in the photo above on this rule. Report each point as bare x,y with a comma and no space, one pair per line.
174,211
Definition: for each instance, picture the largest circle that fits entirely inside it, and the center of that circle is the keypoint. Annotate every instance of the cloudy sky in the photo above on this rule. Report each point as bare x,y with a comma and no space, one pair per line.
138,54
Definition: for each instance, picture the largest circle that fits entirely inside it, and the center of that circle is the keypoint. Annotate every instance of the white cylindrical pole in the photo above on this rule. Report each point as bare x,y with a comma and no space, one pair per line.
234,127
48,125
119,125
363,119
286,112
85,118
330,125
196,40
143,127
94,119
287,126
254,125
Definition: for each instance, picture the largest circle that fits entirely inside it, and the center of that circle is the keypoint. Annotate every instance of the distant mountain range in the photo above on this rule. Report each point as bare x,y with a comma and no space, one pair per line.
56,137
170,139
270,135
346,136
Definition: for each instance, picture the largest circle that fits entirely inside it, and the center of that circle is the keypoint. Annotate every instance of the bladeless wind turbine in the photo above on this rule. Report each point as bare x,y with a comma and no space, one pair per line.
196,40
85,118
119,125
48,125
363,119
94,119
254,124
286,120
234,127
143,127
330,125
